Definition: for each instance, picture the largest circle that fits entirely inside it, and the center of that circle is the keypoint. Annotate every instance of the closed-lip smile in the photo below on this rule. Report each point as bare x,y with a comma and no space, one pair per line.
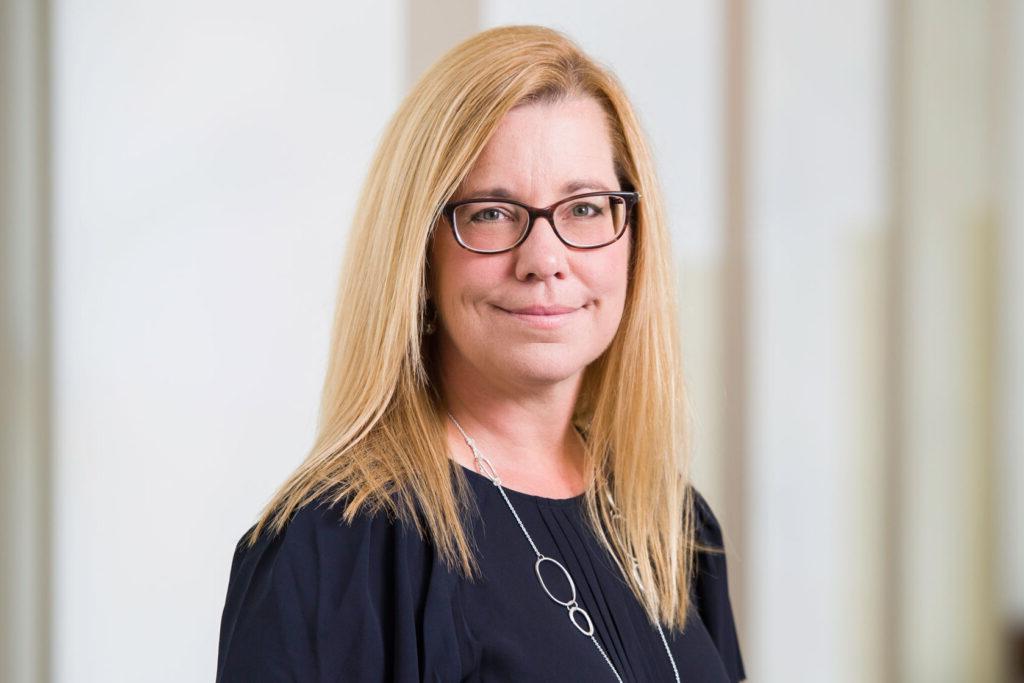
542,317
541,310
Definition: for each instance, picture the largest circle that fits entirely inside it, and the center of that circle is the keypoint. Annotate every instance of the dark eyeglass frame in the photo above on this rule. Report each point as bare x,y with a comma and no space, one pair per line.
630,198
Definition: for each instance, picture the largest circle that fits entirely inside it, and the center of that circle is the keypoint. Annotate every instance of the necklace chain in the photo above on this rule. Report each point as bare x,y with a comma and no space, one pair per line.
573,607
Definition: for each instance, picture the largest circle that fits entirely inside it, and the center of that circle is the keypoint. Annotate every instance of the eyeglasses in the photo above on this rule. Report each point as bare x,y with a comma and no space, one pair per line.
489,225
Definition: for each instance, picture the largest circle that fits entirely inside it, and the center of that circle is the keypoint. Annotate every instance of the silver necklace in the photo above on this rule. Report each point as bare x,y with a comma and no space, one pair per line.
579,617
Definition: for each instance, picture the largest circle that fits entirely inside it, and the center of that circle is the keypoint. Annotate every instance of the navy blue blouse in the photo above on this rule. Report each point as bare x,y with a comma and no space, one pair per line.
371,601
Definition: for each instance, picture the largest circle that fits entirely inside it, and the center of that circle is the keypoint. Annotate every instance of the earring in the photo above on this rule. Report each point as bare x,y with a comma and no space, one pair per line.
430,326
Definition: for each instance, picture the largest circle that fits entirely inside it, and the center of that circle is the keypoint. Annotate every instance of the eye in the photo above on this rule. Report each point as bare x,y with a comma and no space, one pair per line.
490,215
585,210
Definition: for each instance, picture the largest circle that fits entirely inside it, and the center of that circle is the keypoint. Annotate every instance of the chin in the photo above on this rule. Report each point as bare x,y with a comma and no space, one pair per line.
545,366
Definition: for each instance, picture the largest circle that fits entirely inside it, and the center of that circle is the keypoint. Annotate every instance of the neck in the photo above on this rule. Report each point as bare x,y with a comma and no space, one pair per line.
527,436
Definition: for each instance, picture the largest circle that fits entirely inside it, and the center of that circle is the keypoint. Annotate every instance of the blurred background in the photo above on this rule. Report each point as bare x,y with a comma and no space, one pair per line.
845,182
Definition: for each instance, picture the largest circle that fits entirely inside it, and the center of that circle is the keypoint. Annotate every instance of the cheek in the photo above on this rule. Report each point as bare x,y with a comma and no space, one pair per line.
449,269
612,274
466,288
612,288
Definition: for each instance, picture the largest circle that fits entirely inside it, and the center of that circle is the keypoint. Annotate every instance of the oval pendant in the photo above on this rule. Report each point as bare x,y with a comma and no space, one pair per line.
563,603
573,611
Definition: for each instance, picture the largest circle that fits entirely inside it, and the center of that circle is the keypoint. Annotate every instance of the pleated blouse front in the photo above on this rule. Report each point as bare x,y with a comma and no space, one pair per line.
371,601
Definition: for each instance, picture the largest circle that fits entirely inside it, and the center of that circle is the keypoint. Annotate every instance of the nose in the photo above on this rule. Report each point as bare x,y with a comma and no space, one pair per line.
542,255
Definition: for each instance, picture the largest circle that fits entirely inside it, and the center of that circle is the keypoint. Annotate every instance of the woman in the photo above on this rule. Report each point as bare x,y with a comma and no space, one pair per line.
499,486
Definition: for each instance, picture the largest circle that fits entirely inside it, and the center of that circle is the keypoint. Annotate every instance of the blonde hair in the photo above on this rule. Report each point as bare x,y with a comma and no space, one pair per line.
381,442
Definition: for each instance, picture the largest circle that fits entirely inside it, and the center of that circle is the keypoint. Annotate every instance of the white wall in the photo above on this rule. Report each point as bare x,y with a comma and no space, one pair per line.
207,160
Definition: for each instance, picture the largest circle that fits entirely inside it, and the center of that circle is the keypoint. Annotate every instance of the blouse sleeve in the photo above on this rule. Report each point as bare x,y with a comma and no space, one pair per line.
324,600
712,591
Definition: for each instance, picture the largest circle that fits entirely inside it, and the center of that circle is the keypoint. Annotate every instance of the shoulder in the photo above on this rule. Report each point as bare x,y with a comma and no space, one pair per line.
321,527
325,594
709,531
711,555
710,589
318,547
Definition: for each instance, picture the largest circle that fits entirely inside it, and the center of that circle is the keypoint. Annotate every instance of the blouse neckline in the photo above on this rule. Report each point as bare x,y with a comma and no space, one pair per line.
521,496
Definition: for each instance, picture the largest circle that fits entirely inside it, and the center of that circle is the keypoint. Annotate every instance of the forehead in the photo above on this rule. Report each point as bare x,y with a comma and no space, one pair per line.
540,148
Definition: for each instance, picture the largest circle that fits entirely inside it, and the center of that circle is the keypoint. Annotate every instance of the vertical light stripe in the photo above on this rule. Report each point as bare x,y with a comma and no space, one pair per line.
891,626
24,342
949,627
734,310
1008,50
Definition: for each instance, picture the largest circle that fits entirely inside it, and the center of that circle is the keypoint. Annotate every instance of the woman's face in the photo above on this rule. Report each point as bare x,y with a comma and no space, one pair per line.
539,154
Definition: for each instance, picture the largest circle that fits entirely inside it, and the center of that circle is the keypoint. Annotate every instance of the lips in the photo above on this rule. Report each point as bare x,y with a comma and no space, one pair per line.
541,310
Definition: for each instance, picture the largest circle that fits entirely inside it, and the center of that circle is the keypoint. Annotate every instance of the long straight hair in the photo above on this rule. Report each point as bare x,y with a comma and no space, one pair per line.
381,442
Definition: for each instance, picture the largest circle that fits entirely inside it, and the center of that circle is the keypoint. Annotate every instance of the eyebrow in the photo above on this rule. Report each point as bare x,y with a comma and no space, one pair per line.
567,189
